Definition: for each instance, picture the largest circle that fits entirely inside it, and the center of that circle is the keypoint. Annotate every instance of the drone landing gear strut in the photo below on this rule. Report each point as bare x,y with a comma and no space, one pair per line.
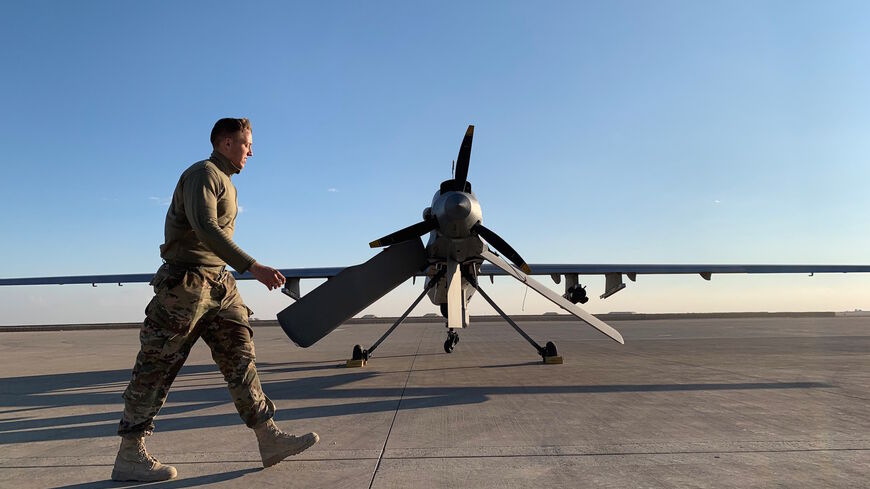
360,356
548,352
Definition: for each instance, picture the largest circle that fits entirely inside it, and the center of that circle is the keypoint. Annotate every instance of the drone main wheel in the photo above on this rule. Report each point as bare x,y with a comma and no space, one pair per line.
359,353
550,350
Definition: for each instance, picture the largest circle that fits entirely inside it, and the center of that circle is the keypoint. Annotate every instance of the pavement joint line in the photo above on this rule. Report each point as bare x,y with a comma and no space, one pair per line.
256,463
474,457
396,413
746,337
619,454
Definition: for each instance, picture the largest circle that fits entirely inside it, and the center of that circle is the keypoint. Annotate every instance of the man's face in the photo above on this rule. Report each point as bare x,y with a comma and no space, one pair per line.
238,148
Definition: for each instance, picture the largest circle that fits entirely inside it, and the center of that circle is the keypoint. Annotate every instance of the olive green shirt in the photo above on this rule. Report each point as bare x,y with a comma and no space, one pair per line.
202,217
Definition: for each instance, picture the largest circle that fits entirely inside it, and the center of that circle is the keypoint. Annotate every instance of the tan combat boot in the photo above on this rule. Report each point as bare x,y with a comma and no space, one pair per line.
134,464
275,445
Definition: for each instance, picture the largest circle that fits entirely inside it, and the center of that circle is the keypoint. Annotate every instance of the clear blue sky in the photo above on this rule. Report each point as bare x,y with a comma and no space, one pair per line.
606,132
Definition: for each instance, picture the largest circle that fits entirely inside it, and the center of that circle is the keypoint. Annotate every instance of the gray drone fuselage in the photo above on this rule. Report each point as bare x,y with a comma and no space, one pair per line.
453,241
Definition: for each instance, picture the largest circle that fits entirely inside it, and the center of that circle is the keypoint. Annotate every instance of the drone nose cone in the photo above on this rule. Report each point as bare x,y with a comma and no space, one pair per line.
457,206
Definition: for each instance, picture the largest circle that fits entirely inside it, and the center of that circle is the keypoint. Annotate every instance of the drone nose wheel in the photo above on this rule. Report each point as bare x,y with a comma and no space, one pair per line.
452,340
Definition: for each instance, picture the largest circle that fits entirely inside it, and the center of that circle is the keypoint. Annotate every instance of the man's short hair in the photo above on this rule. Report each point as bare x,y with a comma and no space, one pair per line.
228,127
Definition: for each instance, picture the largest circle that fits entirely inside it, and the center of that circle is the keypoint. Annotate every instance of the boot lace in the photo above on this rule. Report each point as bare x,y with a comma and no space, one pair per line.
143,453
276,433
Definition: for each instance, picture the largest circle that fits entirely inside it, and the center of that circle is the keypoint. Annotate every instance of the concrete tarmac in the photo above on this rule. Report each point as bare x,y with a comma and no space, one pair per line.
720,403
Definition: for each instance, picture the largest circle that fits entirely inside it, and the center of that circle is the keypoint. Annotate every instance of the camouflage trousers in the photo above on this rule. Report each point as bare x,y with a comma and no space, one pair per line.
190,303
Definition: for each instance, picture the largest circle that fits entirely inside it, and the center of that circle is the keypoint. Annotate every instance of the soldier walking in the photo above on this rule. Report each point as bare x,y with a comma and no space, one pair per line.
196,297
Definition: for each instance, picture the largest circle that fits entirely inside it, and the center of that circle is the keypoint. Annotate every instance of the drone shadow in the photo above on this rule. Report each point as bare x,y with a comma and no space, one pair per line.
345,393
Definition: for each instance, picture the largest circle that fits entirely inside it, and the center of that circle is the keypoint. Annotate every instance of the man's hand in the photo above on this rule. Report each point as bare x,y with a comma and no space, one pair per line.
267,276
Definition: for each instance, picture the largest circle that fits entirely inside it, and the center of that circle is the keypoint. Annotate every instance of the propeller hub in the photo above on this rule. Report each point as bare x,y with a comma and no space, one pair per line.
457,206
455,213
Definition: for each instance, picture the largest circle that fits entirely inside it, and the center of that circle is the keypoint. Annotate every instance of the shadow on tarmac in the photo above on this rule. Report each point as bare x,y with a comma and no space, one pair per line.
170,484
24,394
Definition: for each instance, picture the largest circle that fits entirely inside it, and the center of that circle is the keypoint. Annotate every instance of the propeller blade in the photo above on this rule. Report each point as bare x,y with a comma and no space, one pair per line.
554,297
338,299
502,247
410,232
461,174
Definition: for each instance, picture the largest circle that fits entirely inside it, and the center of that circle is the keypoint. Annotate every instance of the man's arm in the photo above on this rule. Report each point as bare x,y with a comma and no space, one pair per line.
200,201
200,205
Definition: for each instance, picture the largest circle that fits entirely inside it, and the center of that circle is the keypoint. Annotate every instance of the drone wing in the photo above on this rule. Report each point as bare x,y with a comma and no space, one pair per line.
614,273
132,278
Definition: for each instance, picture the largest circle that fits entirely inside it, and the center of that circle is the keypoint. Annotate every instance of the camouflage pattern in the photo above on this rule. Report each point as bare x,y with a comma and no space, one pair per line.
189,303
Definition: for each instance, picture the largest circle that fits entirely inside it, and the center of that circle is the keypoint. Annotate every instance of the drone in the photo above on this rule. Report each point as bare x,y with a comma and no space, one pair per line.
458,246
